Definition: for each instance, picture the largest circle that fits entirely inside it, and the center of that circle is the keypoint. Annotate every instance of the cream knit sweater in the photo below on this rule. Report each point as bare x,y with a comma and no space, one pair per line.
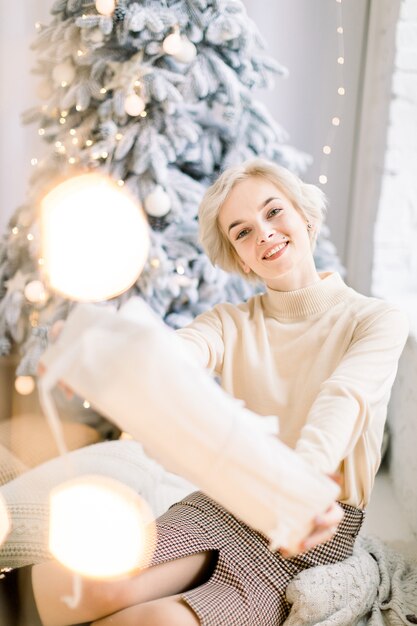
322,359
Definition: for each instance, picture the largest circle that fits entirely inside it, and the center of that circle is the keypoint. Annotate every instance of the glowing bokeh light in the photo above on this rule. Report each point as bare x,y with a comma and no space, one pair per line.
99,527
95,238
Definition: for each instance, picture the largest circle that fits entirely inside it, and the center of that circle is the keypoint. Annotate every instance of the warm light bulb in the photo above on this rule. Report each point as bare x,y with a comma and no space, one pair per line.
340,30
341,91
327,149
335,121
99,527
95,238
340,60
105,7
24,385
323,179
5,525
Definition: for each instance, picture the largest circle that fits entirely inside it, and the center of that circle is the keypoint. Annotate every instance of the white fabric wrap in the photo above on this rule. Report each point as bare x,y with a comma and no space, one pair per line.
138,373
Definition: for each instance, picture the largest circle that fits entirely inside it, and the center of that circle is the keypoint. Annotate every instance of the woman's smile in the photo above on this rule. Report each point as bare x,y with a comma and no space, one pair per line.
275,251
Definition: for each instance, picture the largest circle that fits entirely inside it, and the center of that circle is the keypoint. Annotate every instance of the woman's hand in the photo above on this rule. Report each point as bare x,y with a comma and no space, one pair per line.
325,526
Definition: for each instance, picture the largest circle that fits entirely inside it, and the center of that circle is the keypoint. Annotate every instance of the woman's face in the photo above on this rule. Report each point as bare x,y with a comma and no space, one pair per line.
269,234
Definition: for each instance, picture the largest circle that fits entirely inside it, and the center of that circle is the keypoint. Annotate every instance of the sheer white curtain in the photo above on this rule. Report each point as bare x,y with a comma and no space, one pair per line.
17,143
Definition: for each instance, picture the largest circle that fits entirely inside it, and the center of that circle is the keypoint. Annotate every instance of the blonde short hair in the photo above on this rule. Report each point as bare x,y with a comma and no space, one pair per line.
308,199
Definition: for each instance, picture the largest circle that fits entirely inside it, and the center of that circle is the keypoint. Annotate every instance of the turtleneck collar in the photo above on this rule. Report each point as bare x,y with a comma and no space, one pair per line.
316,298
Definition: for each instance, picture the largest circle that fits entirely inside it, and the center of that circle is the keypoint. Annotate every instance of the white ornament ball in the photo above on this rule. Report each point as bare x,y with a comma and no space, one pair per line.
105,7
63,73
134,105
172,44
24,385
35,291
187,52
158,202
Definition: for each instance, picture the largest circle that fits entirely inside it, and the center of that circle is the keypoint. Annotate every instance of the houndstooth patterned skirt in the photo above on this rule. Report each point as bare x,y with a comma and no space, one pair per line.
247,586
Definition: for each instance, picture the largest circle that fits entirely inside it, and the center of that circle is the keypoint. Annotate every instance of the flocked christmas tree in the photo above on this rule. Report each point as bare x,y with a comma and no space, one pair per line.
157,94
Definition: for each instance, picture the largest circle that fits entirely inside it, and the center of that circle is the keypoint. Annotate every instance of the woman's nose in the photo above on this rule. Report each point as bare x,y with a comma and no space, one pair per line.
264,235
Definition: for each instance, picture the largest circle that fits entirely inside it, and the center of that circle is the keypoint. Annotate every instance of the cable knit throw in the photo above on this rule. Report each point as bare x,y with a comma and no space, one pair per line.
376,586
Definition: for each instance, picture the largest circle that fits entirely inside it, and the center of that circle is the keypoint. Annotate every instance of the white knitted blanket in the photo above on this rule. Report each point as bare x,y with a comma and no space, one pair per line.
377,586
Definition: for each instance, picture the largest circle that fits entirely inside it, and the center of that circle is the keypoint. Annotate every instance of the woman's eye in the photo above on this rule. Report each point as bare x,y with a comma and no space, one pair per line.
274,211
242,233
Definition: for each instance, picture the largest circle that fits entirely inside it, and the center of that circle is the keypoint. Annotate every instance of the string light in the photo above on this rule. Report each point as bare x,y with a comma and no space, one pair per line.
64,113
78,107
119,136
15,230
34,161
72,160
120,182
88,143
341,91
30,237
103,90
62,120
86,404
73,131
75,141
41,261
41,131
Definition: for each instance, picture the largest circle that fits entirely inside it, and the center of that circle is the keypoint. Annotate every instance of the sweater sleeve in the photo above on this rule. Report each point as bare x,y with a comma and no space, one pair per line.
203,339
358,389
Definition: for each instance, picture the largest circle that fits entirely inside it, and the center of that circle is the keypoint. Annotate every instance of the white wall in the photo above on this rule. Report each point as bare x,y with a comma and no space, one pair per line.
301,34
18,144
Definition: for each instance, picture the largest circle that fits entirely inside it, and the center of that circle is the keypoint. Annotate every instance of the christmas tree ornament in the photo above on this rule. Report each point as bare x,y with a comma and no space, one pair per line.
187,52
35,291
173,43
64,73
105,7
134,105
4,520
158,202
119,13
99,527
24,385
95,238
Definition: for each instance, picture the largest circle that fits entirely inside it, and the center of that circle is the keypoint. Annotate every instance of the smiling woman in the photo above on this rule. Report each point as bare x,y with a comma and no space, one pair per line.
311,354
